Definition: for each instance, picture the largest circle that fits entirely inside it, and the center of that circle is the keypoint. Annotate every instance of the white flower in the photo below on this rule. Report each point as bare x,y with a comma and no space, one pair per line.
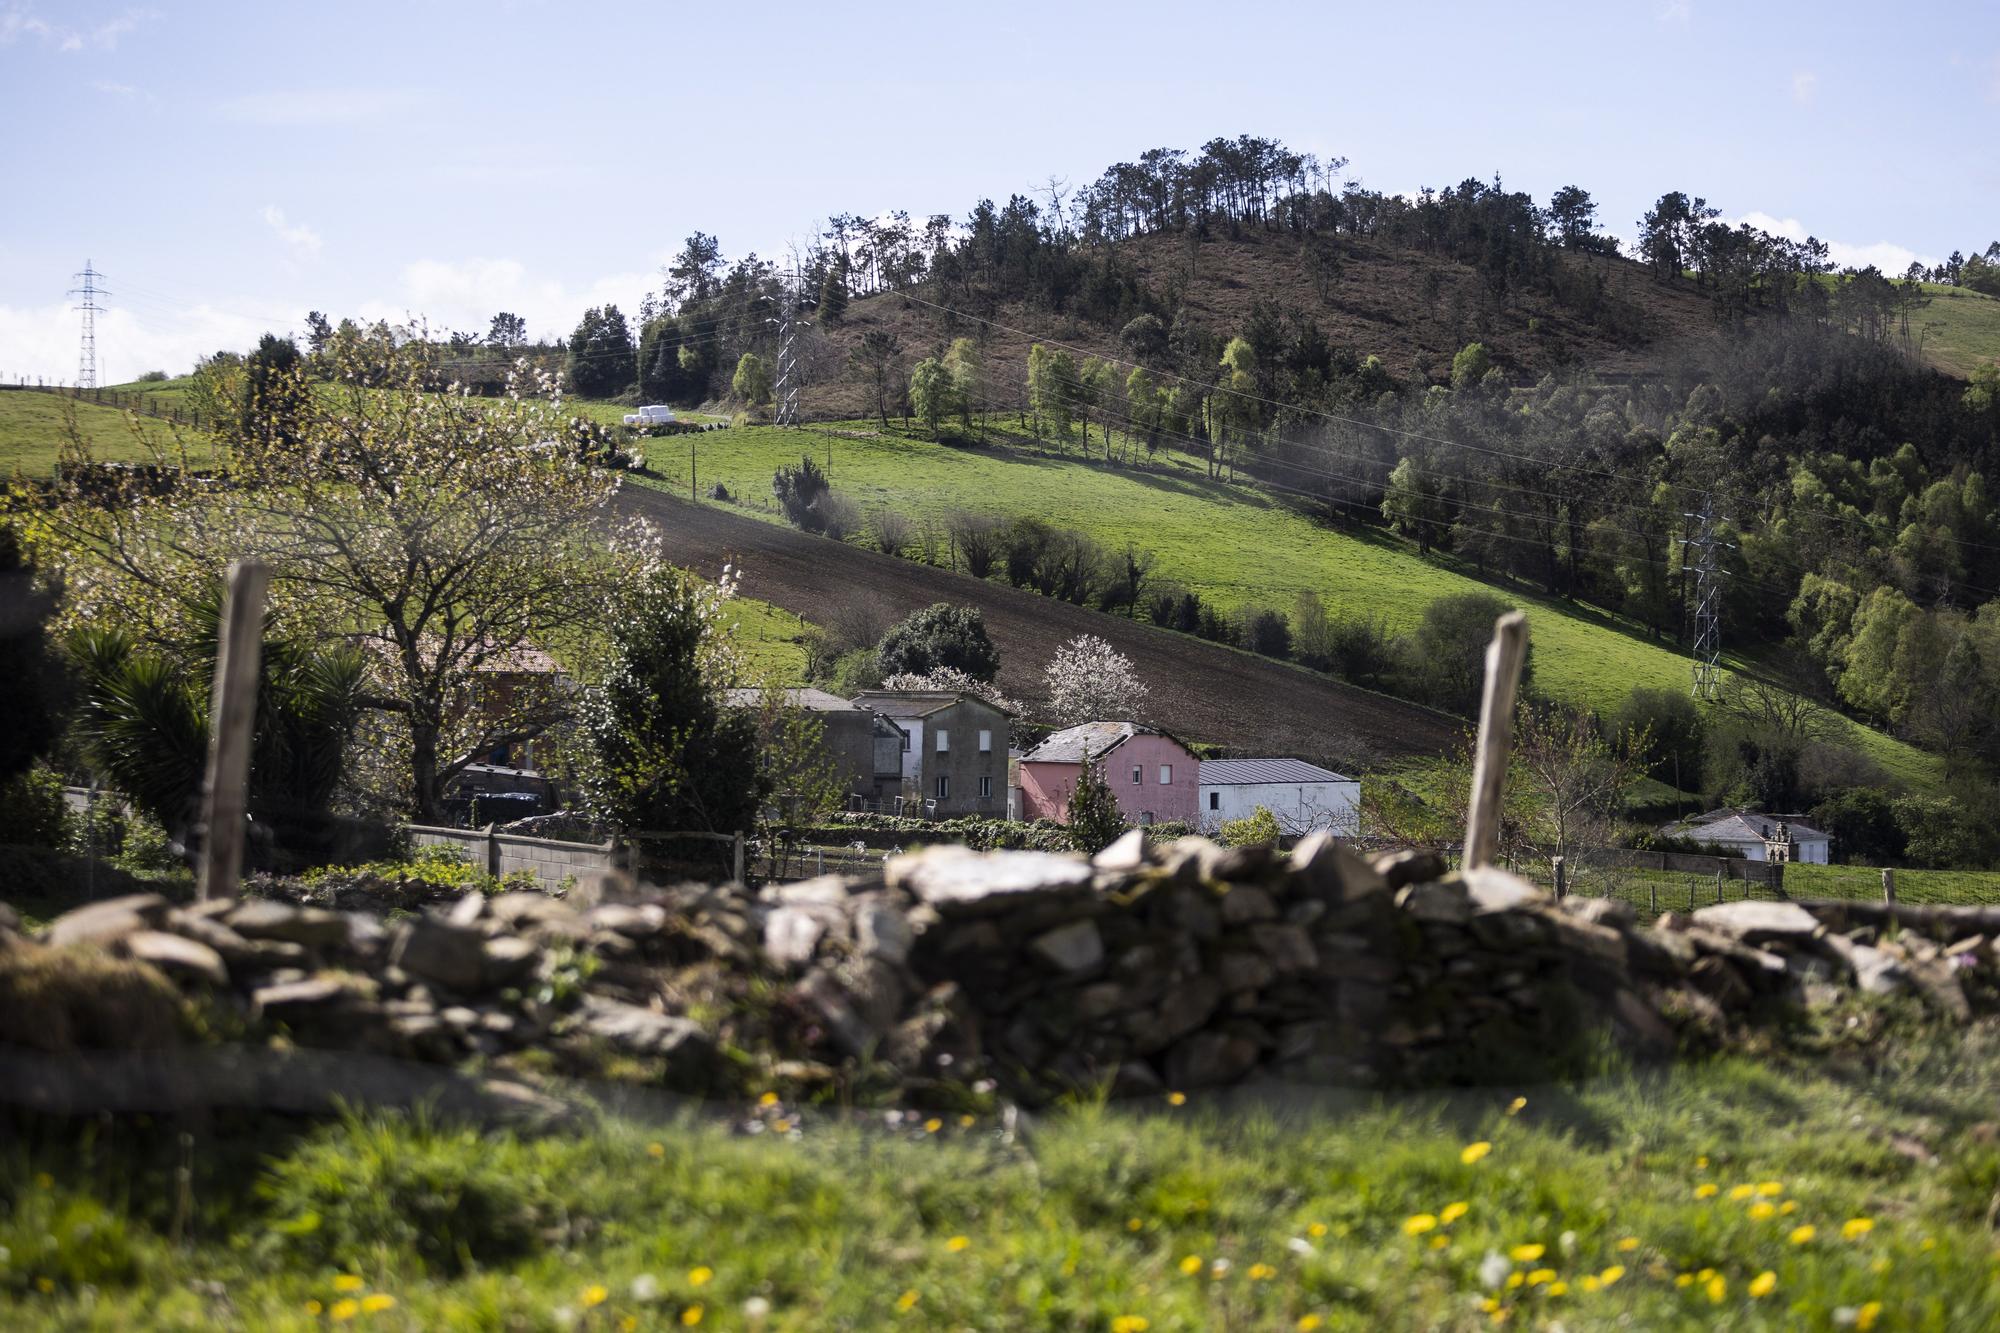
1493,1270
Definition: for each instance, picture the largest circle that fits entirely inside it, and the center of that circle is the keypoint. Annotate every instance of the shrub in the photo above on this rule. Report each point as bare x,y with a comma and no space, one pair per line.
153,377
798,490
980,540
1259,827
940,635
1265,631
32,810
1360,649
360,1187
1671,733
839,517
889,531
1093,814
1444,658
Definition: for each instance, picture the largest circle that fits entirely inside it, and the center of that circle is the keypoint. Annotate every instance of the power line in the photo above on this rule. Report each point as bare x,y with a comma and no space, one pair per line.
86,357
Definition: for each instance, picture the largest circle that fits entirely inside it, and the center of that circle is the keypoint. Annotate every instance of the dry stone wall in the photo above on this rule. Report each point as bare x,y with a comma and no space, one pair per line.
1035,973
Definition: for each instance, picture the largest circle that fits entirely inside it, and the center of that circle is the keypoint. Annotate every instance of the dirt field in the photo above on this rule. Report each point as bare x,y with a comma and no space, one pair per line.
1200,690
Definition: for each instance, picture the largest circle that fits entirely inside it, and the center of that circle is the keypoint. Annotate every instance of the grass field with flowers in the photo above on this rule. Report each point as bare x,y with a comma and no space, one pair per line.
1845,1182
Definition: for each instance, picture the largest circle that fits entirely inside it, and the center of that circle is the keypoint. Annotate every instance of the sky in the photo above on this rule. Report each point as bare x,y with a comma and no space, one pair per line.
229,167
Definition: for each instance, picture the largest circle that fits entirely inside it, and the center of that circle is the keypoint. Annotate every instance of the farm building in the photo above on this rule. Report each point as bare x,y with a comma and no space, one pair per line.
865,747
954,750
1758,837
1302,796
1151,773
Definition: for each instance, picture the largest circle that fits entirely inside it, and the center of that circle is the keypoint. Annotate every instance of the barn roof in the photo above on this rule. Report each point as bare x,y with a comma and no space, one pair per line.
1098,738
811,700
1252,772
1744,826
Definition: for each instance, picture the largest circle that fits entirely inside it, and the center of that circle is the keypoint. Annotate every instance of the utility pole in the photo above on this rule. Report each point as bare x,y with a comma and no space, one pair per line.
1699,550
86,359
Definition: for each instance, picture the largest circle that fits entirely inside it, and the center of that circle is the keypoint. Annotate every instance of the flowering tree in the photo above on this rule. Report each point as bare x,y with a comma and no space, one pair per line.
452,540
954,681
1089,680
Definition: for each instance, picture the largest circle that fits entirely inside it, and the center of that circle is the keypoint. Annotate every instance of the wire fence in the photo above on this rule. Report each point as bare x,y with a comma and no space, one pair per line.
1652,891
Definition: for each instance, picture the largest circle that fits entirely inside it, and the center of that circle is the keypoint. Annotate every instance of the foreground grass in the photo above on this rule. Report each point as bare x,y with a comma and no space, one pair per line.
1730,1193
1232,544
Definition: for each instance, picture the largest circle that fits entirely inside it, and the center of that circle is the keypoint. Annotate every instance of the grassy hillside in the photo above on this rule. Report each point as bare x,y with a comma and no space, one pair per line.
1960,329
1233,545
33,427
1740,1192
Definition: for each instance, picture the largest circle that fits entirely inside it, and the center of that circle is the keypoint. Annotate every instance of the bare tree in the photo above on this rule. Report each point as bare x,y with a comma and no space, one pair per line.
1576,779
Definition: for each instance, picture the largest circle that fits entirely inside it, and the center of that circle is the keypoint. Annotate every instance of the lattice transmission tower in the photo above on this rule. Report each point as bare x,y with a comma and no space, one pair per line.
1700,554
87,292
785,387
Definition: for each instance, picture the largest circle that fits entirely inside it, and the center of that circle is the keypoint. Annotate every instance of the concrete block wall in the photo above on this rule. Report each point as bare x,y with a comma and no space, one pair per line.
502,854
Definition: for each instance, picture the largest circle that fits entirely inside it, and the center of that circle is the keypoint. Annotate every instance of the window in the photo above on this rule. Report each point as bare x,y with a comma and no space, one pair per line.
1215,800
985,741
985,785
1137,775
1166,775
944,786
906,738
1145,818
944,740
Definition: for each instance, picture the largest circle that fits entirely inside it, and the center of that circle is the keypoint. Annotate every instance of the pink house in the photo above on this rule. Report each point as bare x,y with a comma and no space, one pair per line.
1153,776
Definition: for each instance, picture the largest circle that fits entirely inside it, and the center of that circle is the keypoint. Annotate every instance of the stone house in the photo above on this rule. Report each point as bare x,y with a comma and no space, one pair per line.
865,747
1153,775
954,750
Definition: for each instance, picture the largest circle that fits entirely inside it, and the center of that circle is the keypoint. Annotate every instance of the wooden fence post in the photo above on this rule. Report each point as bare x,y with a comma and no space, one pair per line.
1496,737
738,860
232,717
1888,886
1561,881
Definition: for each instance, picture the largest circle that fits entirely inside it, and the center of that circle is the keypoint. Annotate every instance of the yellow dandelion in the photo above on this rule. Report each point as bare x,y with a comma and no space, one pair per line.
1308,1322
1514,1280
1611,1274
1558,1288
700,1276
1788,1207
907,1301
1419,1224
1177,1099
781,1126
656,1150
1880,1265
1500,1316
1627,1244
1440,1241
314,1307
1854,1228
1763,1285
1717,1289
933,1125
1473,1152
1704,1275
768,1099
1865,1317
1704,1191
957,1243
1771,1189
1803,1235
1684,1279
1701,1163
628,1323
1131,1323
1490,1304
1588,1282
348,1282
377,1303
1762,1210
1516,1106
1191,1265
595,1295
1451,1212
1133,1224
691,1316
344,1310
1261,1272
1738,1193
1527,1254
1541,1277
1316,1230
1927,1243
967,1121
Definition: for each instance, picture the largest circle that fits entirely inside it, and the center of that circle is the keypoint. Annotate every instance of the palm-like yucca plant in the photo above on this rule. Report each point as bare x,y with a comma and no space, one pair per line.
145,715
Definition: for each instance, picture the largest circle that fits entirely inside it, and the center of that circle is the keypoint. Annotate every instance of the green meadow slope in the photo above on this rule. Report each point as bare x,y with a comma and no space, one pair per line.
1230,543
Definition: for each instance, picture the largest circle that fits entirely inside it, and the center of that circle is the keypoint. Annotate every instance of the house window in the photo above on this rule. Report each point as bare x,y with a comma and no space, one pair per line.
985,741
906,739
985,785
1145,818
944,740
1166,775
944,786
1137,777
1215,800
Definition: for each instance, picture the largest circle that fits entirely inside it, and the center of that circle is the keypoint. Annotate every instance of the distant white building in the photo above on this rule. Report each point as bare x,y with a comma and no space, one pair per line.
1302,796
1755,835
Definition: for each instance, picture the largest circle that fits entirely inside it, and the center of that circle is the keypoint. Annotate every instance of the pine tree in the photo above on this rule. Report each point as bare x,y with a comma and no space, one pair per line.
1093,816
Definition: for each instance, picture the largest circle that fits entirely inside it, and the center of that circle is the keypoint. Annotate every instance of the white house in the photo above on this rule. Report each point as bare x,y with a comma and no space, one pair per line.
1755,835
1302,796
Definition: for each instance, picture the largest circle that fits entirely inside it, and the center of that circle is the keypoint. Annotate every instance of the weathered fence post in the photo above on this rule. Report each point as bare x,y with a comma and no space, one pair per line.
232,716
738,860
1888,886
1652,899
1496,737
492,848
1560,879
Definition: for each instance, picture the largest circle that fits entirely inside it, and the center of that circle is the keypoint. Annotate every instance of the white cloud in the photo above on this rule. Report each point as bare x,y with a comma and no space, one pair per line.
1677,13
18,21
301,240
297,107
1891,258
1805,85
466,294
40,342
